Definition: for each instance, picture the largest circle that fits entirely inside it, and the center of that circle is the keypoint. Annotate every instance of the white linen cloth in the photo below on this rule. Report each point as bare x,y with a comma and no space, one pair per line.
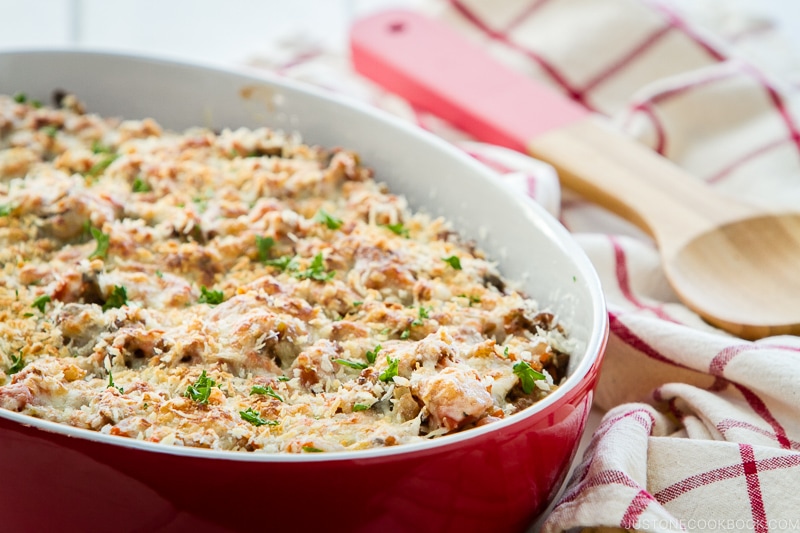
702,430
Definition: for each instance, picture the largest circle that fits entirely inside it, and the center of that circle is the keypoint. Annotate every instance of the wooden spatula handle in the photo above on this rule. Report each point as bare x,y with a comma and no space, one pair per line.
439,70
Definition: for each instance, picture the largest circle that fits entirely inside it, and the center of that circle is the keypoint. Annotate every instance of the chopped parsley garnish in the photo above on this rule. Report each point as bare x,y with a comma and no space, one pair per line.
360,407
17,364
357,303
111,384
140,185
406,333
36,103
253,416
472,299
391,370
316,270
20,98
311,449
5,210
352,364
102,241
527,376
397,229
210,297
453,261
117,298
505,352
371,355
159,274
329,220
285,262
100,148
51,131
100,167
423,314
264,244
283,378
201,203
267,391
40,302
201,389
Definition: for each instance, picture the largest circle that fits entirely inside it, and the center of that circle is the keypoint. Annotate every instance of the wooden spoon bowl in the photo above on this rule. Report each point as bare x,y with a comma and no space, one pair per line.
753,289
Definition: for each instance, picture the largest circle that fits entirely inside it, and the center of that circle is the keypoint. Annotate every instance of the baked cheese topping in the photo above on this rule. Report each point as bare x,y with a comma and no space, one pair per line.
240,290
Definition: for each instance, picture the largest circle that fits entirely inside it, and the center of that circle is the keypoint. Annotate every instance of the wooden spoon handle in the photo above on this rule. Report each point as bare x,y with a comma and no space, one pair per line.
440,71
634,182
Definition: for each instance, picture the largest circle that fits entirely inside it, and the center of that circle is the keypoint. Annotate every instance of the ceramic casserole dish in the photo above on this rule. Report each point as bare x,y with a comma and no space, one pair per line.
496,477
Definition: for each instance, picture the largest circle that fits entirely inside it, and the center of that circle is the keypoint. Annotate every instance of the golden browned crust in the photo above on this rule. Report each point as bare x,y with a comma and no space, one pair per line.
241,290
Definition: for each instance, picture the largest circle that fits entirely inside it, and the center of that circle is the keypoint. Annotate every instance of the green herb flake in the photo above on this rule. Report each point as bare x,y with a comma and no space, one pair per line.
316,270
51,131
112,385
352,364
145,405
264,245
40,302
17,364
267,391
283,378
406,333
5,210
117,298
373,354
27,315
360,407
329,220
210,297
36,104
102,240
357,303
472,299
397,229
283,263
423,314
453,261
159,274
391,370
140,185
201,203
100,148
505,352
101,166
311,449
201,389
527,376
254,417
20,98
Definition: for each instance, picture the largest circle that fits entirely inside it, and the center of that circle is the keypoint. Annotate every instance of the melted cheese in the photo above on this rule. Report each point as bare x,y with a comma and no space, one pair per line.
334,297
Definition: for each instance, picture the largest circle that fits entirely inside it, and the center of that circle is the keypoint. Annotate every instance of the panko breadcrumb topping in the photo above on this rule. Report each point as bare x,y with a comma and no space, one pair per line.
239,290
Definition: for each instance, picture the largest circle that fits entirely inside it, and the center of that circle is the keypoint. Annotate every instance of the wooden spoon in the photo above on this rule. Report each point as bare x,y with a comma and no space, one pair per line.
736,266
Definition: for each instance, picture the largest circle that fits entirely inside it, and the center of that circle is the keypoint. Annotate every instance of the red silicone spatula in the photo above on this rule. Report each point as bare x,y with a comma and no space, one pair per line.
735,266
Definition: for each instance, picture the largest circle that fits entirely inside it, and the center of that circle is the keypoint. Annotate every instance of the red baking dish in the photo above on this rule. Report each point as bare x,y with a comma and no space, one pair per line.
497,477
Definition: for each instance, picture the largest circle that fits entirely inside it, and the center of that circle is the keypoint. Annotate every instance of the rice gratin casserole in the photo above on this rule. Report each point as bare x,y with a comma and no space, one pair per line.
240,290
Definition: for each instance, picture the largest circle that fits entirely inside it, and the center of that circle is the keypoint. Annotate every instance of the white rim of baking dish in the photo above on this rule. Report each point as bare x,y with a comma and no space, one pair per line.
537,215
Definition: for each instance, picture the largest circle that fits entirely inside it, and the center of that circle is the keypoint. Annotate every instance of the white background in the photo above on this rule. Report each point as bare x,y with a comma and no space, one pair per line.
223,30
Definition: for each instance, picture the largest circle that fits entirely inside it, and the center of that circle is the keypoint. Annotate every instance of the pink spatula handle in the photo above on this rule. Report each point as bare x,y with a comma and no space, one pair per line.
438,70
